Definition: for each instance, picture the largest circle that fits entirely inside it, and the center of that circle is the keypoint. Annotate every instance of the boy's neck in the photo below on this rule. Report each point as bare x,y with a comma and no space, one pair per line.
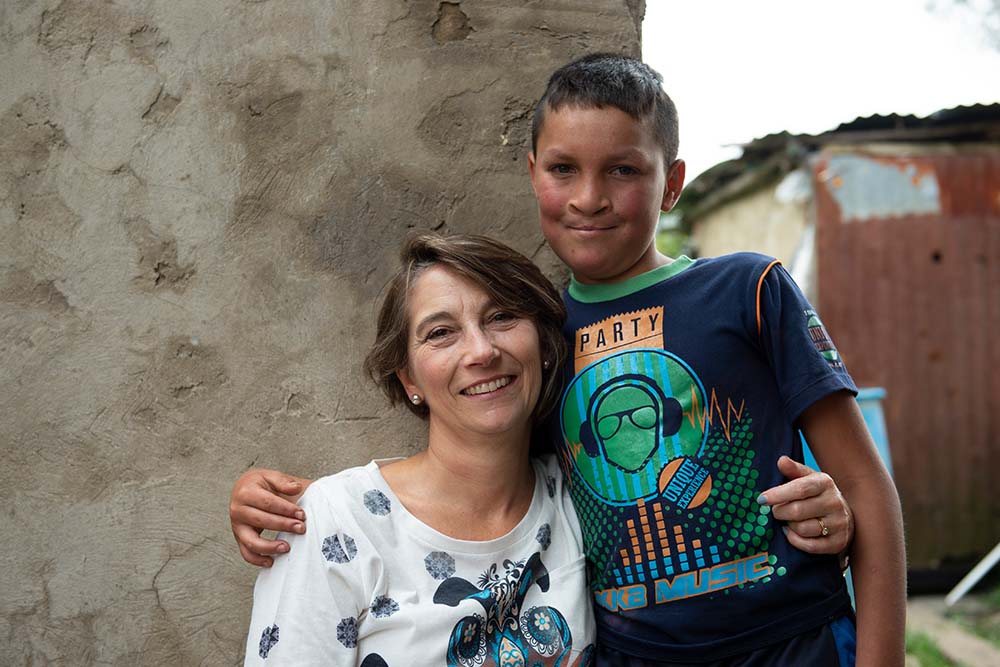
647,264
610,290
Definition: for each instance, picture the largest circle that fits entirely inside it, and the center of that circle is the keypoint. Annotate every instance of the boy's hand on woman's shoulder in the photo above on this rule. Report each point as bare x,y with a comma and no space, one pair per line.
810,504
265,499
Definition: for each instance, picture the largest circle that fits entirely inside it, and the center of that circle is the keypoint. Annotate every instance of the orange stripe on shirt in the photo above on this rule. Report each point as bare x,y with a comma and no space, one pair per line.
760,286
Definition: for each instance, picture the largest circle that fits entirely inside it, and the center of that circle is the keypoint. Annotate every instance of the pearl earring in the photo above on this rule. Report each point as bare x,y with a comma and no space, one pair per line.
546,364
416,399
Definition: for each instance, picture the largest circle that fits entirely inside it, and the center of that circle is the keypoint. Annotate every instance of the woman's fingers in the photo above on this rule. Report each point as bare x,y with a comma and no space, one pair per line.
812,545
808,535
804,482
809,503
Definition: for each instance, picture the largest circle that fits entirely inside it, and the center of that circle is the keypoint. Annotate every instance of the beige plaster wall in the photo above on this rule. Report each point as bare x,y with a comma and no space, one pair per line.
759,221
199,202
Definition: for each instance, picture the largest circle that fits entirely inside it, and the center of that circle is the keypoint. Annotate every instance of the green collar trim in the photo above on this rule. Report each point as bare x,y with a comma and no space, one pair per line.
609,291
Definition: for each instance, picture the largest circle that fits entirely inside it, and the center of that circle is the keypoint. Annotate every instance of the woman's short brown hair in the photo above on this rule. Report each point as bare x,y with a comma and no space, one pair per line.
511,280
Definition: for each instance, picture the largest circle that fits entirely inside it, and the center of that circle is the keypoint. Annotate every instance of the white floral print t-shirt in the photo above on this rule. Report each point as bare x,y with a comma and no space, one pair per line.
370,584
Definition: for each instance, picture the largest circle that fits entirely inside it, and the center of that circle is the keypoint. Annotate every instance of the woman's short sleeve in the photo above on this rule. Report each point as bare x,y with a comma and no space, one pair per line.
307,605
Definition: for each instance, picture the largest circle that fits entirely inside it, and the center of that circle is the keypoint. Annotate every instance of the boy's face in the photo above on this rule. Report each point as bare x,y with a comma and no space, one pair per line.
600,180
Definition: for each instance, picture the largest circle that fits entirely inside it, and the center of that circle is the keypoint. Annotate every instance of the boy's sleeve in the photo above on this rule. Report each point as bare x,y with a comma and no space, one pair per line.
307,605
805,362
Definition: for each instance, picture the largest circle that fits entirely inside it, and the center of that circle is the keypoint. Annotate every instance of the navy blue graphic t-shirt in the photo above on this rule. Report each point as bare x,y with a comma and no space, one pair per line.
686,383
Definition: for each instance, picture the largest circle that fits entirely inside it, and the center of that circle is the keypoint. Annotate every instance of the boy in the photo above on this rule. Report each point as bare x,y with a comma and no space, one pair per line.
686,378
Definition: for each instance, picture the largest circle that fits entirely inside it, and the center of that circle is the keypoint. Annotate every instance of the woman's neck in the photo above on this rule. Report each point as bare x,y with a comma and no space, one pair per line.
472,490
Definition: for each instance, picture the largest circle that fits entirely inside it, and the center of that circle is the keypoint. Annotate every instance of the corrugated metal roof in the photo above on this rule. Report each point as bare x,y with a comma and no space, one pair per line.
978,122
768,158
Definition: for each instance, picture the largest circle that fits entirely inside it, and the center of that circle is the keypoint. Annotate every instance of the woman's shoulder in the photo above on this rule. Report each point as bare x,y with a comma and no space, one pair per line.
550,476
560,500
350,492
338,481
547,461
547,466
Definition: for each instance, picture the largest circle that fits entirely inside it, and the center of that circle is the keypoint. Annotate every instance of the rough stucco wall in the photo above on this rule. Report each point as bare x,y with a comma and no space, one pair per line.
199,203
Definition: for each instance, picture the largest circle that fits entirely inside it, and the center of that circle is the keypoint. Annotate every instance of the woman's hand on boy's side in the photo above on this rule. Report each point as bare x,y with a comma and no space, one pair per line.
265,500
810,504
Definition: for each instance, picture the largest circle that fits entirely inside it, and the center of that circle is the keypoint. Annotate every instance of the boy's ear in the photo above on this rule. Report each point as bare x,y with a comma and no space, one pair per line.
531,169
674,185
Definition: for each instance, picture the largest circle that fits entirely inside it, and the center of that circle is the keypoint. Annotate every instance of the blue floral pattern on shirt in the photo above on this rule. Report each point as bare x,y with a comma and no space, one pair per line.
377,502
337,550
544,536
268,639
439,565
384,606
347,632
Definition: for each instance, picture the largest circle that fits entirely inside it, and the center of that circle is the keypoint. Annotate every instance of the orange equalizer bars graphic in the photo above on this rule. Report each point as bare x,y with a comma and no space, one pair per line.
665,555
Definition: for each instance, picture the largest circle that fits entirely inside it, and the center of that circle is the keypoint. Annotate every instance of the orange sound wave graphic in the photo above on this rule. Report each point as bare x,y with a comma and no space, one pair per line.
575,448
568,456
700,416
651,540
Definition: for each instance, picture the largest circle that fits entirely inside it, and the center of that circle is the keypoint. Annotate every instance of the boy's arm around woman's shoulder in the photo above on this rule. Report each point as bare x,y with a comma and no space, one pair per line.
264,499
838,437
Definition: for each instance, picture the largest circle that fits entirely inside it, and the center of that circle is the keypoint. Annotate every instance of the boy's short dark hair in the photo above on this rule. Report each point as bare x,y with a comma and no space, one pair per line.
610,79
512,281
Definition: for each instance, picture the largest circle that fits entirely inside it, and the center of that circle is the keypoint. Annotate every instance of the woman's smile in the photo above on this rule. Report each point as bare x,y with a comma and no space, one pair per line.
489,386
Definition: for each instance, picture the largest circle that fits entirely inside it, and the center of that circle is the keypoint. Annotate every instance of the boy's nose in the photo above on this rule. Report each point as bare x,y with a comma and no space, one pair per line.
588,197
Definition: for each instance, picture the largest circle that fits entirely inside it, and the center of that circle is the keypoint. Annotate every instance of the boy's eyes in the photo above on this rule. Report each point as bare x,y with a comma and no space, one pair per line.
620,170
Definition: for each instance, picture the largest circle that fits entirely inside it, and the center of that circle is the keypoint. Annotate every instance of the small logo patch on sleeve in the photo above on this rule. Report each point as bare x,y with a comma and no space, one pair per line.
821,339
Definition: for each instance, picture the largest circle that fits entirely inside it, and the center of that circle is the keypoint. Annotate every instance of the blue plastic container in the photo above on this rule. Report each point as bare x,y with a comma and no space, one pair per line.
870,402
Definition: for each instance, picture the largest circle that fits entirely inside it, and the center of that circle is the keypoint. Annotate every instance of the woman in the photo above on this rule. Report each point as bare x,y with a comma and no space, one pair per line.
469,552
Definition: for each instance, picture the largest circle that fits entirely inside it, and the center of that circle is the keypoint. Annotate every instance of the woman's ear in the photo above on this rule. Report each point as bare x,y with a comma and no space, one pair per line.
404,379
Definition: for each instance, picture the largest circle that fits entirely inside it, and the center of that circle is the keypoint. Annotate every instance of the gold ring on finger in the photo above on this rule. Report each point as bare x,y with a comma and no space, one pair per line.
823,530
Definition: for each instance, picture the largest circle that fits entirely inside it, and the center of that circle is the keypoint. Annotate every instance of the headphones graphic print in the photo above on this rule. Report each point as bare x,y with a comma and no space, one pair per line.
629,408
636,441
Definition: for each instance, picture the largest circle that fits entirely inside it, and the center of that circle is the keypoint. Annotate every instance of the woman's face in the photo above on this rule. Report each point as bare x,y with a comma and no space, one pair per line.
477,367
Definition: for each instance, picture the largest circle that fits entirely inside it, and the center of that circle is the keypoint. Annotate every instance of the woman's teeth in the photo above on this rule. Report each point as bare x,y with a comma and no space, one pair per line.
487,387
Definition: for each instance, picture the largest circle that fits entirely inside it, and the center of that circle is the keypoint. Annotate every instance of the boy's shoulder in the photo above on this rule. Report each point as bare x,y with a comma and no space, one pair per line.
737,273
733,271
753,262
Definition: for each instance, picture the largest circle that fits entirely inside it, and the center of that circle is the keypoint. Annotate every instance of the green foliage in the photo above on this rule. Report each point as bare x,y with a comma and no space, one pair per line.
982,619
924,649
993,599
672,242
